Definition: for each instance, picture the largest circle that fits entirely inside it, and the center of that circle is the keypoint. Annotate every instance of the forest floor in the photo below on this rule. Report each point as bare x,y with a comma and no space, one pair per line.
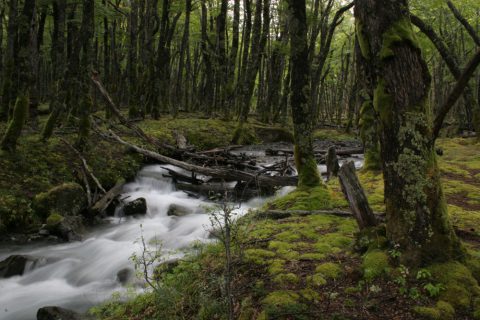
302,267
312,267
37,167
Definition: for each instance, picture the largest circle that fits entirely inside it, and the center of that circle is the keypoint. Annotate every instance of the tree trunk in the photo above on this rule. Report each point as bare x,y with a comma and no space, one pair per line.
86,36
8,90
25,76
302,120
417,218
59,74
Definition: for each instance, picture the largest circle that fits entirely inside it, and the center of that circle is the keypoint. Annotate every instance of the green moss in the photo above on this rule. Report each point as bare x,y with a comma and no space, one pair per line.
288,236
400,31
428,313
277,266
310,295
308,176
329,270
375,263
259,256
283,304
446,310
285,279
362,41
473,264
66,199
303,199
54,219
332,135
316,280
460,285
337,240
244,135
14,130
383,103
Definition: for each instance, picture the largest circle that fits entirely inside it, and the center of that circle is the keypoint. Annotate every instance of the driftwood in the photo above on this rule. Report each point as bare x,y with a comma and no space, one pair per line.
356,197
101,205
222,173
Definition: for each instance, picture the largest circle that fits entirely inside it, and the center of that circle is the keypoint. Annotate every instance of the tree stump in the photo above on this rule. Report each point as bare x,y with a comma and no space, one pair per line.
332,163
356,197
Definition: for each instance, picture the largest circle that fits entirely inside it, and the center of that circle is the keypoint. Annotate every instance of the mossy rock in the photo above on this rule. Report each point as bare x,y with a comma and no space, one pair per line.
375,263
329,270
68,199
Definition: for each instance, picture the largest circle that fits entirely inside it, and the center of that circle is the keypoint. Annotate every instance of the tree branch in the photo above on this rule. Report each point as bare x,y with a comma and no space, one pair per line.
464,22
455,93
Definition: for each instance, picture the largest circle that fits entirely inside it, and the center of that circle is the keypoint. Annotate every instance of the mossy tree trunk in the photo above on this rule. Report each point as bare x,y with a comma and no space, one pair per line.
24,76
59,70
8,94
300,91
367,120
86,33
417,217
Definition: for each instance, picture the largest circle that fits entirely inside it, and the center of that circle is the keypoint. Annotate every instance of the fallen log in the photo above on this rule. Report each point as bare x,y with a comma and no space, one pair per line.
213,189
176,176
340,152
356,197
101,205
282,214
222,173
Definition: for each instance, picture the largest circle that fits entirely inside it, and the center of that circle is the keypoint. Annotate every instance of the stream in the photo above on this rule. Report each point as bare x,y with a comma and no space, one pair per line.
78,275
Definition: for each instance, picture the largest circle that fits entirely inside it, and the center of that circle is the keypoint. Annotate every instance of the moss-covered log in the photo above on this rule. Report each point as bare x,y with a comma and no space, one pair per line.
417,217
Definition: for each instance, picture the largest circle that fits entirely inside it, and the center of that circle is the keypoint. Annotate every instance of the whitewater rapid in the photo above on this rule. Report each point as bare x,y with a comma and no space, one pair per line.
79,275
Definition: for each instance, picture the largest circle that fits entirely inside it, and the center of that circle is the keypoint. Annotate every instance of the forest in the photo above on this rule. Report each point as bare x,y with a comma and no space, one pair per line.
239,159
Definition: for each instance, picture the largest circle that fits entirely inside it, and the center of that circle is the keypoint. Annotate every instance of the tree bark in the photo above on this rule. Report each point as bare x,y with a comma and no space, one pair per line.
417,218
302,119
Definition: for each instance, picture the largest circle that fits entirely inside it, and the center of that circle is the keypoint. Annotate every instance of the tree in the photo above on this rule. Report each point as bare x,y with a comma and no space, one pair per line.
417,218
24,76
299,84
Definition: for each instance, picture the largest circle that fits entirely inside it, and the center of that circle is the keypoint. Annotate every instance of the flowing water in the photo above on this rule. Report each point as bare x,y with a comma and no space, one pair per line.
80,274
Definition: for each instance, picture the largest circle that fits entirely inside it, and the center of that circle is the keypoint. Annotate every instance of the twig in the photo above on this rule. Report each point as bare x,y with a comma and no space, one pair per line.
85,165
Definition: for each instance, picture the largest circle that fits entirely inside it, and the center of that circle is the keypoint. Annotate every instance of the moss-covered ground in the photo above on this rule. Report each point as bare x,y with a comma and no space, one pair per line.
312,267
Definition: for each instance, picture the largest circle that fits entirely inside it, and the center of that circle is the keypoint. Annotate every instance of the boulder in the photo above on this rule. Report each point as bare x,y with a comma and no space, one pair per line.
125,276
68,199
66,228
14,265
57,313
135,207
178,210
